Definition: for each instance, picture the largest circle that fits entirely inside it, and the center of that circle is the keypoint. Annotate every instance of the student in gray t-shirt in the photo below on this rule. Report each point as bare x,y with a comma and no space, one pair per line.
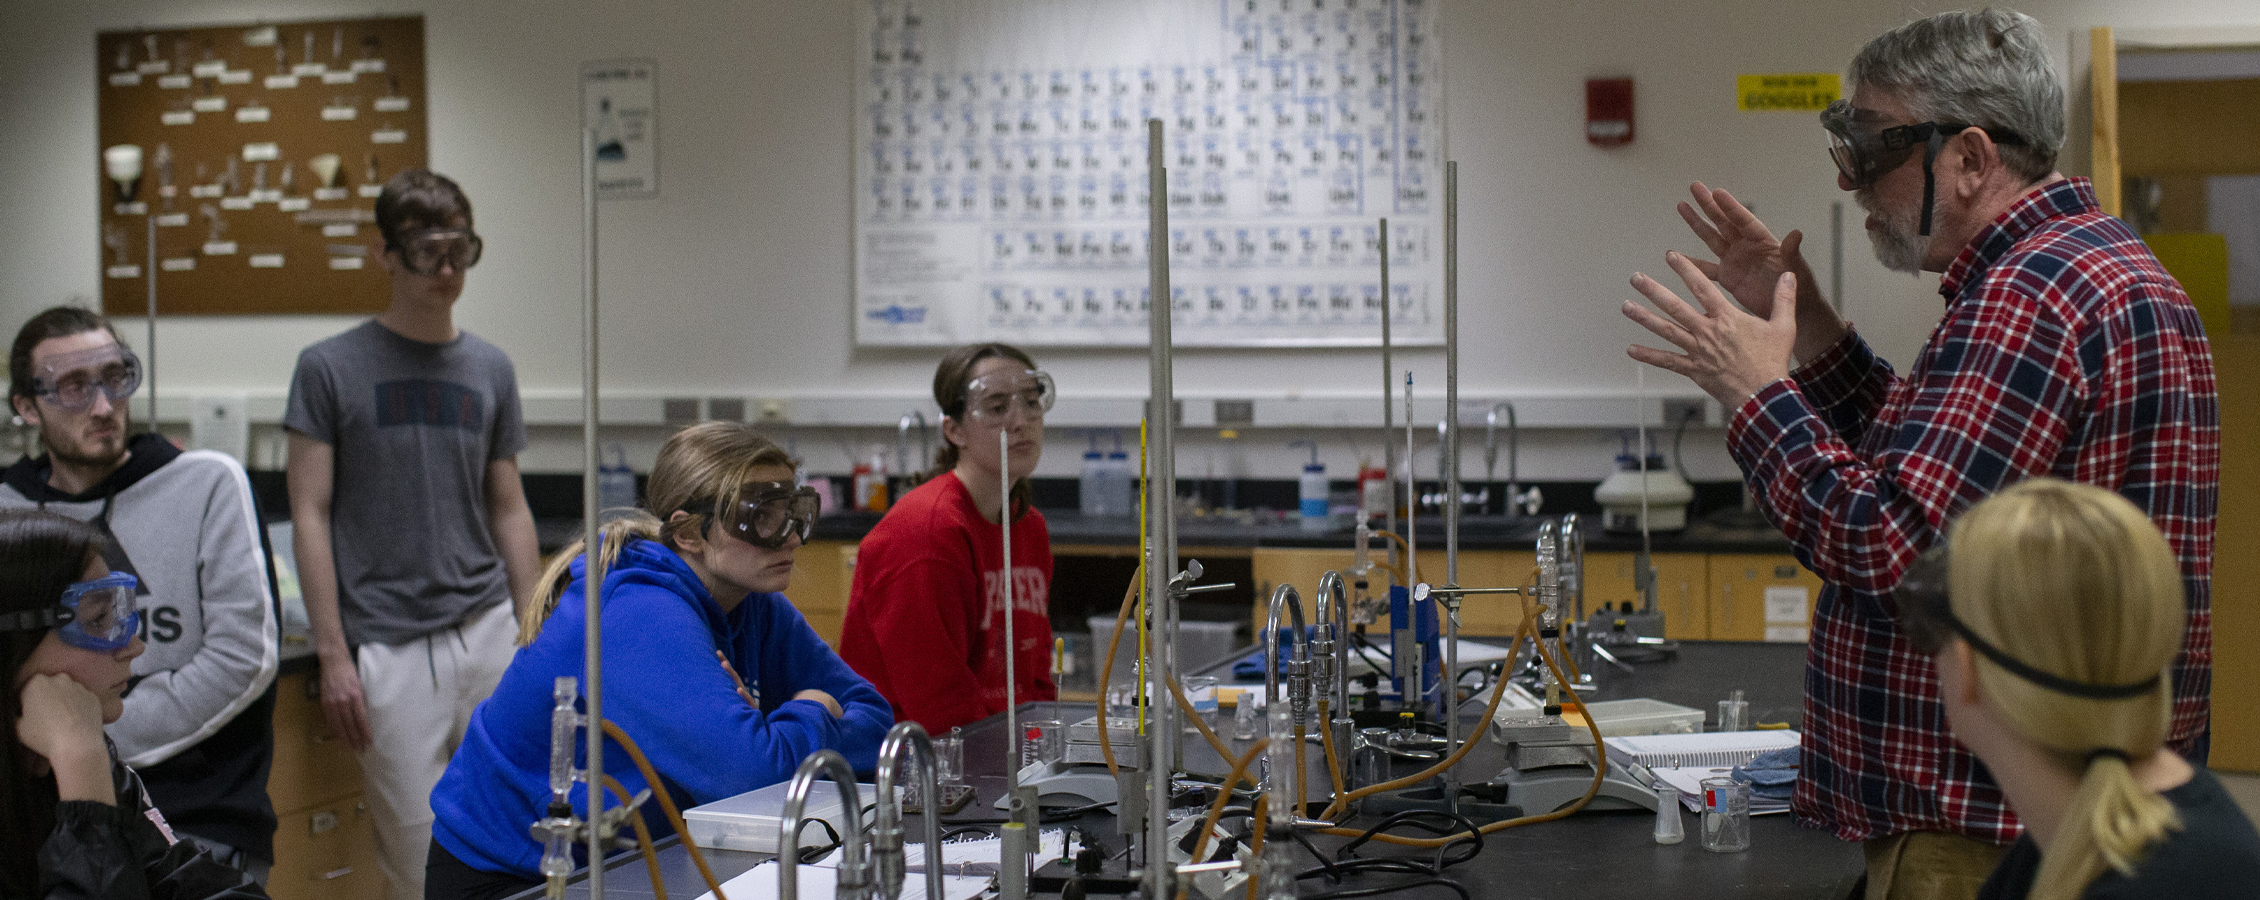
413,539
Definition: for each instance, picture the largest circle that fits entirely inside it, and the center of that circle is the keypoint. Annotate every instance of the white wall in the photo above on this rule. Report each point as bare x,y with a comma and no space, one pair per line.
734,282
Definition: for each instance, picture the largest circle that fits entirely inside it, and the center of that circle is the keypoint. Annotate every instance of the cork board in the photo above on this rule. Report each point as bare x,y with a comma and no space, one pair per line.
261,148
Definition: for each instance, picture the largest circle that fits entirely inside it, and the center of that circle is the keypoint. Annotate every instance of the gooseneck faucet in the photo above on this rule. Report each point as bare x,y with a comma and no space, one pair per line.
886,834
1491,453
1298,675
913,419
854,871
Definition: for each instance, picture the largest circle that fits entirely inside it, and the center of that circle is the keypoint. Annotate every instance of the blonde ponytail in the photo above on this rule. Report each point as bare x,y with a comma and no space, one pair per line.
2076,582
2112,818
611,536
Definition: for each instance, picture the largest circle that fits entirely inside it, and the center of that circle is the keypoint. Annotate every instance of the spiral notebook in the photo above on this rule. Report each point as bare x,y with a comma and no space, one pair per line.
1716,748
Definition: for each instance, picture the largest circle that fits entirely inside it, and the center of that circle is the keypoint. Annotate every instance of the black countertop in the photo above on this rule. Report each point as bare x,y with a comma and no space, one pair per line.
1476,533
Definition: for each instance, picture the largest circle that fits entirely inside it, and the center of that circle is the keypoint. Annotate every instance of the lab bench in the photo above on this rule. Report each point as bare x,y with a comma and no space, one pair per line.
1593,854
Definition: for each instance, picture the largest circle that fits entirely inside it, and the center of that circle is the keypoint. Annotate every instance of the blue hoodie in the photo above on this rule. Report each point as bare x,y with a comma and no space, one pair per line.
665,688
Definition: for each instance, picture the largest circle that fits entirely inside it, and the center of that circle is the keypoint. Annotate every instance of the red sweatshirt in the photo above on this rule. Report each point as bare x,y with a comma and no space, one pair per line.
925,615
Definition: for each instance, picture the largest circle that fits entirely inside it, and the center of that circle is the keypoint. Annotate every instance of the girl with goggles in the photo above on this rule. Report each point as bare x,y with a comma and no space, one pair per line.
925,619
707,665
2053,613
68,638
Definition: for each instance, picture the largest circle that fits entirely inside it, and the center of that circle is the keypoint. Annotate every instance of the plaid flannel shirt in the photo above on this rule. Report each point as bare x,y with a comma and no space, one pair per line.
2065,350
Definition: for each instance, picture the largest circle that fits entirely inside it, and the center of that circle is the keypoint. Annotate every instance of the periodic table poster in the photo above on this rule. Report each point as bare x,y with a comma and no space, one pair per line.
1001,187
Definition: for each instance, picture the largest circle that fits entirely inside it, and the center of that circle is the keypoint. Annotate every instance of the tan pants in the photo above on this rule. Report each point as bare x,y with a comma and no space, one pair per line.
420,695
1929,865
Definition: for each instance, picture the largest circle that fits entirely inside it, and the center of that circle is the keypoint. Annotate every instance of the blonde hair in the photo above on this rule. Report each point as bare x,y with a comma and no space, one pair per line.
700,468
2075,581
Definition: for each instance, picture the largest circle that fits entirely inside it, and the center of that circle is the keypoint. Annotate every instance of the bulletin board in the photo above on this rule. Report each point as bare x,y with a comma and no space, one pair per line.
262,148
1000,170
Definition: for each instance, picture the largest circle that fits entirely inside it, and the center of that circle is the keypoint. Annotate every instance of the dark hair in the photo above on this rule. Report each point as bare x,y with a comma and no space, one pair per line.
951,378
41,553
422,197
53,322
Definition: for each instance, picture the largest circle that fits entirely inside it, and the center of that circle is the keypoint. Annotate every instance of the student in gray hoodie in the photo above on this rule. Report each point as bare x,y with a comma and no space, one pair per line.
198,718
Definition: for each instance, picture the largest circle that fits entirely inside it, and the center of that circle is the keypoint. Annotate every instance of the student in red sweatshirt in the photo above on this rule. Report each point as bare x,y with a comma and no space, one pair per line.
925,618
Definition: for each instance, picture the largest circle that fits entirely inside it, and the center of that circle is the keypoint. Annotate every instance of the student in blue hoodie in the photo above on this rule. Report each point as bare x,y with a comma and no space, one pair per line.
707,666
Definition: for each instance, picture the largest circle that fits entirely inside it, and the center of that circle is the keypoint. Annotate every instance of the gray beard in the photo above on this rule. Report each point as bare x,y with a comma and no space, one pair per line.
1897,246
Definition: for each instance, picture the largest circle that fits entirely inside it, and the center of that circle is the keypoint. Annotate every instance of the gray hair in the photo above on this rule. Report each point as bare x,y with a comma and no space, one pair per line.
1989,68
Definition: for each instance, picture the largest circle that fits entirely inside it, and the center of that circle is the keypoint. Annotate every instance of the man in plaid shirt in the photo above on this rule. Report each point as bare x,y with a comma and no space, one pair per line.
2064,350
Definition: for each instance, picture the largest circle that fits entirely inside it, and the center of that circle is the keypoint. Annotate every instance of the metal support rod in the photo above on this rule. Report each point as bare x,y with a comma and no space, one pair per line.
593,560
1161,561
1011,649
151,279
1451,453
1388,407
1836,255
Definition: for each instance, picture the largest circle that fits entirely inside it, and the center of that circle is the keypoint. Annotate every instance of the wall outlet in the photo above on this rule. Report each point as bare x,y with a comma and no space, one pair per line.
221,423
1678,411
1230,413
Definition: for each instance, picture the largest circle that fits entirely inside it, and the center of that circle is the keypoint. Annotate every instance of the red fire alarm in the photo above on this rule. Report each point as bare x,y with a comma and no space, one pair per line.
1608,111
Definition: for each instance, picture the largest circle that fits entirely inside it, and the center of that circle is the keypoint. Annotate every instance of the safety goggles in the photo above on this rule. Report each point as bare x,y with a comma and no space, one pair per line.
767,513
71,380
1863,152
993,399
102,615
423,252
1926,617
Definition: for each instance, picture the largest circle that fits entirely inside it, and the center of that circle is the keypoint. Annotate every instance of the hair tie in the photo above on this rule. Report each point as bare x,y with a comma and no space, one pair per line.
2112,752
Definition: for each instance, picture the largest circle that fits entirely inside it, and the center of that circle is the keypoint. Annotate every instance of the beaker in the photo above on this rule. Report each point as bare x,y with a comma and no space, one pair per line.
1726,815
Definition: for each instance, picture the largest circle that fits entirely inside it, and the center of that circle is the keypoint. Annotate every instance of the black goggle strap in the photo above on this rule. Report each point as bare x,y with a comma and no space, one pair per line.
1935,143
2055,683
1927,613
34,619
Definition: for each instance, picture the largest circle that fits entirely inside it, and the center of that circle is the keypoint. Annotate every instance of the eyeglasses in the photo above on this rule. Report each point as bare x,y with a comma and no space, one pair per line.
768,513
1926,617
71,380
994,398
102,615
422,252
1863,156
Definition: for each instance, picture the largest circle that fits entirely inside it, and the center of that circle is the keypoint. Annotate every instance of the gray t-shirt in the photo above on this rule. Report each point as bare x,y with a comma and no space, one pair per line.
413,427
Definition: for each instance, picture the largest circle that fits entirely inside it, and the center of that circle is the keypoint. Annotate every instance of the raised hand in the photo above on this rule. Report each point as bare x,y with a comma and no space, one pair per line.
1750,261
1729,353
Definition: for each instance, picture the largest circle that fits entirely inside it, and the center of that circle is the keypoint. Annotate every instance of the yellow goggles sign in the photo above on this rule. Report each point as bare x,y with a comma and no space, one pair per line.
1811,92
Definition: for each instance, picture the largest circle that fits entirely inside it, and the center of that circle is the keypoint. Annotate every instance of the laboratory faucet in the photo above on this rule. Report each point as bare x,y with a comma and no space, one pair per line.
886,834
1330,658
1517,503
908,476
854,871
1298,681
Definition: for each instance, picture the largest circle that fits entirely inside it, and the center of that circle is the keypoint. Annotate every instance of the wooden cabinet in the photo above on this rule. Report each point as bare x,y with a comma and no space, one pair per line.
328,852
2236,569
325,845
1481,616
1760,597
823,572
1683,582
